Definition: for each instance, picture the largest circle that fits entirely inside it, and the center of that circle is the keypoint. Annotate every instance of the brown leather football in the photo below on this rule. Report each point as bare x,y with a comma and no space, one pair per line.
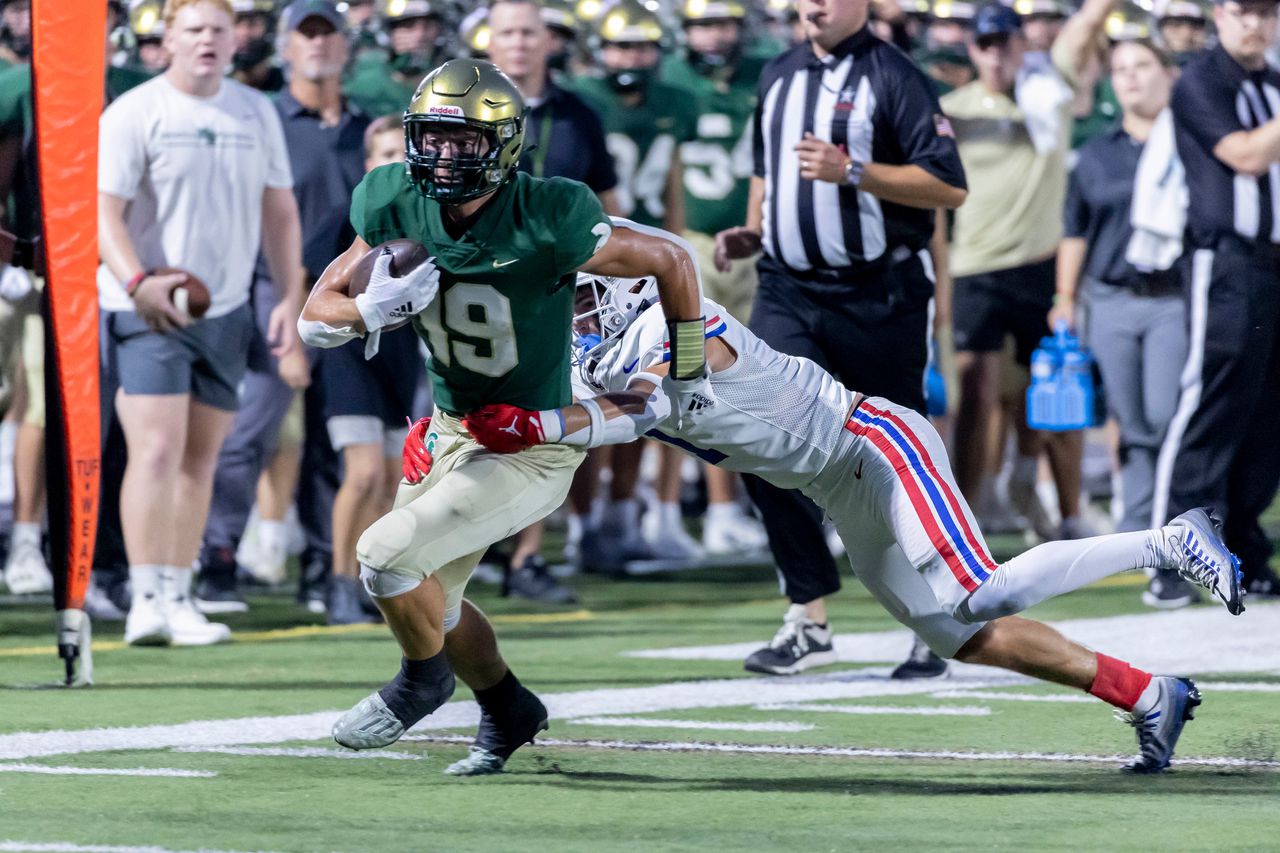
195,293
405,255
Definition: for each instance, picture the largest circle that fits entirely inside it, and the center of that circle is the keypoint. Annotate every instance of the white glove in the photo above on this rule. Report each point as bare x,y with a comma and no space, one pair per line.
690,398
389,299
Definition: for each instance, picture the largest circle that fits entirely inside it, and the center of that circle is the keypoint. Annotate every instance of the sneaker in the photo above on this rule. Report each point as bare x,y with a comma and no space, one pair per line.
146,624
267,563
1168,591
187,625
921,663
343,605
25,571
799,645
99,605
313,584
600,555
1204,560
1075,527
1159,728
497,739
733,532
668,542
369,725
532,581
216,590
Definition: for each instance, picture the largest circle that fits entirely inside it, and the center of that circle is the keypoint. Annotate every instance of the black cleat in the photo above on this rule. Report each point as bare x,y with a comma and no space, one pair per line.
532,581
921,663
500,736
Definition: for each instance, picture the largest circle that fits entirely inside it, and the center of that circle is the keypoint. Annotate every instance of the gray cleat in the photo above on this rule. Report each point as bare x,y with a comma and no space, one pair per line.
479,762
1205,561
369,725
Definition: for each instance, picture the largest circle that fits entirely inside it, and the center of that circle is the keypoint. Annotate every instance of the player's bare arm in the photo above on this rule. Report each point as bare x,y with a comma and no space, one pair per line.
328,302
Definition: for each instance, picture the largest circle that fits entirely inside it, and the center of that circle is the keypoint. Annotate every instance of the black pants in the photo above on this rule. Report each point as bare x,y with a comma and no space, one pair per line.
871,335
1221,450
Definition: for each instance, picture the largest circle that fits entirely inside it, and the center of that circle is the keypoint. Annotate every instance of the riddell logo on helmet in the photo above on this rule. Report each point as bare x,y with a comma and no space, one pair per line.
445,110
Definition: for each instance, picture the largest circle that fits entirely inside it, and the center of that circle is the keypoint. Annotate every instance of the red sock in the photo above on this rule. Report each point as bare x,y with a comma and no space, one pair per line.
1118,683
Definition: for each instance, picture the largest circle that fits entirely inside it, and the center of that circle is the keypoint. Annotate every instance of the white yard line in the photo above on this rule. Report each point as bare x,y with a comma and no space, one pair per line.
51,770
652,723
65,847
857,752
299,752
907,710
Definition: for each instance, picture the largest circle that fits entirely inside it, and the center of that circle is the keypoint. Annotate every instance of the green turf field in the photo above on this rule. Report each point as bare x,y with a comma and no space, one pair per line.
645,753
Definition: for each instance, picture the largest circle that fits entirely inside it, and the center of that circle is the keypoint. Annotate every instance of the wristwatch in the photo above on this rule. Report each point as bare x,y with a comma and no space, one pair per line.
852,172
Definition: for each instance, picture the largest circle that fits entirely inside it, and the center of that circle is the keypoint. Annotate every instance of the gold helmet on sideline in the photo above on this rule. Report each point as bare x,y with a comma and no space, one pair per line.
464,94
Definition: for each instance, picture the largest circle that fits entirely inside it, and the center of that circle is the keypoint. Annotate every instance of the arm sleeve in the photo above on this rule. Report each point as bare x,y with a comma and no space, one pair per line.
921,129
1204,108
279,172
122,149
1075,211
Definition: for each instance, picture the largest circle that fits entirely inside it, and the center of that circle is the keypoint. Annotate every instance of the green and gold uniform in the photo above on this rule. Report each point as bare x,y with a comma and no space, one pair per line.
376,88
643,140
499,328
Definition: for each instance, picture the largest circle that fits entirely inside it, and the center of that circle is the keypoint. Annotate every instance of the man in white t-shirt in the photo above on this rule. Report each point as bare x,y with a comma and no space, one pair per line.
193,175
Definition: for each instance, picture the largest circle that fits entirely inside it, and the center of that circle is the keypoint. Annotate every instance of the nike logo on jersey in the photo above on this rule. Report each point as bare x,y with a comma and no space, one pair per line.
627,368
497,264
857,475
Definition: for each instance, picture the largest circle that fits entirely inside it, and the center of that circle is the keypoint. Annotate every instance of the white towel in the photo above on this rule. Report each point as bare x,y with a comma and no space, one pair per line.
1158,212
1040,93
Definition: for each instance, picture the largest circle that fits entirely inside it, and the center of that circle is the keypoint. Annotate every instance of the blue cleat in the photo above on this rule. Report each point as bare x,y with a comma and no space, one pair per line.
1160,728
1204,560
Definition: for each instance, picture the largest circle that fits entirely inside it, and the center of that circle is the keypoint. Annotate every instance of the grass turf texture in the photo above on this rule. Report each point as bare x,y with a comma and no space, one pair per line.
572,798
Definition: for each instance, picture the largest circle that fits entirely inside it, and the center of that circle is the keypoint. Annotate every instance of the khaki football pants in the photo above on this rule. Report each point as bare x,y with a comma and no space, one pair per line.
472,498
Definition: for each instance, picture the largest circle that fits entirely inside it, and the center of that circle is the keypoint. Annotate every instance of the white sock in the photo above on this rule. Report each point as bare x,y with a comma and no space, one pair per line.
25,533
1149,696
573,527
722,513
669,516
272,535
176,583
1055,568
146,582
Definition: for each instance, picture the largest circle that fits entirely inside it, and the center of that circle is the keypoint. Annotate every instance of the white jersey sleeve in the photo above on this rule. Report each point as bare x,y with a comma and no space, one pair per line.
777,416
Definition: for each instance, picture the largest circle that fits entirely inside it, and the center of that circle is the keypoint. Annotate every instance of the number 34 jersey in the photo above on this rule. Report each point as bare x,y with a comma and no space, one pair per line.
498,331
778,416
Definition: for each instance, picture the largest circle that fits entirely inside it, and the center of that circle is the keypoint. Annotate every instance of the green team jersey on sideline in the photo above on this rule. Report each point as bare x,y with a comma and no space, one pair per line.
377,89
499,329
642,140
718,162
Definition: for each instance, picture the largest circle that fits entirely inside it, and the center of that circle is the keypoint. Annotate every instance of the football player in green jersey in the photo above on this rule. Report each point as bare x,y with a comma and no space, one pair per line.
382,82
494,306
645,120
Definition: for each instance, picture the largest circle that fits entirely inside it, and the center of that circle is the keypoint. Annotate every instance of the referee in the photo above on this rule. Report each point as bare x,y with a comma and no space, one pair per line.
852,158
1220,450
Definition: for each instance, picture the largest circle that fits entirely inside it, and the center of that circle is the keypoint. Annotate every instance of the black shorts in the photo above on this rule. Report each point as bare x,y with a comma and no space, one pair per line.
989,307
382,387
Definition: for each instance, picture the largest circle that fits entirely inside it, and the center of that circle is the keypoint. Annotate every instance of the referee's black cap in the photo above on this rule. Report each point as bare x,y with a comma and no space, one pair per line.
996,19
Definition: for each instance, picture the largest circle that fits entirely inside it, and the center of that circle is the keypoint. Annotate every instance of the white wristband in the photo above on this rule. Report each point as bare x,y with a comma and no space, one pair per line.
595,432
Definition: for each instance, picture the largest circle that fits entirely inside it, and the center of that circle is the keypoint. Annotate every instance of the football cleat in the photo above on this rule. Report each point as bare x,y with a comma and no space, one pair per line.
799,645
1204,559
1160,728
921,663
497,738
369,725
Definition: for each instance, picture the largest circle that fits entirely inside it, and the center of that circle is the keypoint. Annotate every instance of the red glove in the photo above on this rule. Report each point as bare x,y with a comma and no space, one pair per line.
505,429
415,459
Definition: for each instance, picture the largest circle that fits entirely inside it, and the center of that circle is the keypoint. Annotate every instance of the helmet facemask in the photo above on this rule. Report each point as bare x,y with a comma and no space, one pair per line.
455,159
603,309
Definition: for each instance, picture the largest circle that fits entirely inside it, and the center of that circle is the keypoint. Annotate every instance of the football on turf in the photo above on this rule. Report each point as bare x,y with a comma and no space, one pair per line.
405,255
191,297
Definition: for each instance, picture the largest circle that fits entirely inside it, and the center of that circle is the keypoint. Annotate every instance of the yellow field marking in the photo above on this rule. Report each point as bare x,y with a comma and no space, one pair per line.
318,631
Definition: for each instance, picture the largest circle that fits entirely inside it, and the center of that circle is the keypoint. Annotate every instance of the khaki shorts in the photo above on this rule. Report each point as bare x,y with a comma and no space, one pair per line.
471,499
735,289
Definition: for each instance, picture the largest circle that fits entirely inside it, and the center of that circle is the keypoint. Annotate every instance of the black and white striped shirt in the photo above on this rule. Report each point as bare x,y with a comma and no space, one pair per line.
1215,97
870,99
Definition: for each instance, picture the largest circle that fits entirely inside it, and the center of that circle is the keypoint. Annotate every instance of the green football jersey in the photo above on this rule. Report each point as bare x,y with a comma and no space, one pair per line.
718,162
499,329
378,90
642,140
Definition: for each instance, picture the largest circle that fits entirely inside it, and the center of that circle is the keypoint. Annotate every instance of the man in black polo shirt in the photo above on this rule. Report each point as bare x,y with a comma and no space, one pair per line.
852,158
1221,449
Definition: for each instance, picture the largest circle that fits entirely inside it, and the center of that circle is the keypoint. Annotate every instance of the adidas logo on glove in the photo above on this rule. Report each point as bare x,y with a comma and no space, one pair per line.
698,402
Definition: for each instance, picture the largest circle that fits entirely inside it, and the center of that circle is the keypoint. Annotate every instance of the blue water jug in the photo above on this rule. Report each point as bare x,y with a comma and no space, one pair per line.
1061,396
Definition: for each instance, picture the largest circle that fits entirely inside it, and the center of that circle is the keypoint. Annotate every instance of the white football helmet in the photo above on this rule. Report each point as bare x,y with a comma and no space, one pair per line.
604,308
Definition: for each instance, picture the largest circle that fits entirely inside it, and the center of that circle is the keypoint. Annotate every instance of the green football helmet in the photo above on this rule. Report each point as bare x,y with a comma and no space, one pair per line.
473,108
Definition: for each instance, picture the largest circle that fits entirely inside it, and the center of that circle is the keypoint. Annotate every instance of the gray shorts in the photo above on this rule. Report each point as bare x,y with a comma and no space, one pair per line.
206,360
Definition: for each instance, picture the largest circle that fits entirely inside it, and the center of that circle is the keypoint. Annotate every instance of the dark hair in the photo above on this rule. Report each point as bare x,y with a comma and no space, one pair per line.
1163,56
